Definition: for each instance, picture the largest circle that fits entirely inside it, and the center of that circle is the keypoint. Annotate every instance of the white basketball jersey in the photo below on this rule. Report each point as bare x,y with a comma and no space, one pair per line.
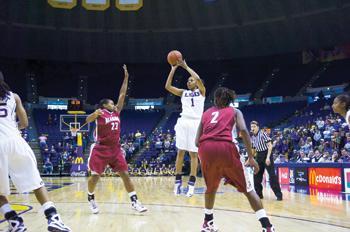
192,104
8,124
234,129
347,118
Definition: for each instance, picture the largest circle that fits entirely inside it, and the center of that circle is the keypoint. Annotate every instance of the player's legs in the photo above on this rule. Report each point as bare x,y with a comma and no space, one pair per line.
257,206
178,171
212,176
258,178
119,164
274,181
92,182
193,174
97,165
25,176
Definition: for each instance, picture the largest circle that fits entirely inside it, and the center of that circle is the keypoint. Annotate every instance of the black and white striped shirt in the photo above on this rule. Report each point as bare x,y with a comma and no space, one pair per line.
260,141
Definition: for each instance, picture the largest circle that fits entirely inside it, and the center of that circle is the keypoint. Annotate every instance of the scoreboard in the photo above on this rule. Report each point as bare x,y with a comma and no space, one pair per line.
98,5
75,107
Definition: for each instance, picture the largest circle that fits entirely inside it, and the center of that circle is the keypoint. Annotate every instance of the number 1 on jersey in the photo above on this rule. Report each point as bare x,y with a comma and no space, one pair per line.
192,102
215,117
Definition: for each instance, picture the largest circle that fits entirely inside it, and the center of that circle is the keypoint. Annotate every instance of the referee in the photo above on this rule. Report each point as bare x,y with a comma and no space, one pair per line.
262,147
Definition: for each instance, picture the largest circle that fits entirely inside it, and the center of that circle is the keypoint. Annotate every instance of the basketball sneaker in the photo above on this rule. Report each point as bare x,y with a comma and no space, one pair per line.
190,191
55,224
209,226
93,207
16,225
269,229
136,205
177,188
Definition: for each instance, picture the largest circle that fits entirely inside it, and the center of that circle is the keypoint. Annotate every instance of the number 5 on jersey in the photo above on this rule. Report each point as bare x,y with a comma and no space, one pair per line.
215,117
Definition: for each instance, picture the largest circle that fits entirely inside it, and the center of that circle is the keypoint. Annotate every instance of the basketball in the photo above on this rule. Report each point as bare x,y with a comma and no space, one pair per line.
174,56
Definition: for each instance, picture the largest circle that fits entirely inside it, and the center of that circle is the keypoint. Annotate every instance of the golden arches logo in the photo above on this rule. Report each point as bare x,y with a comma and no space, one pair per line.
79,160
312,177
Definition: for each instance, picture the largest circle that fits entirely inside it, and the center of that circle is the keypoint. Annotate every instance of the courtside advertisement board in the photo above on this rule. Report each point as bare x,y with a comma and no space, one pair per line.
326,178
347,180
283,175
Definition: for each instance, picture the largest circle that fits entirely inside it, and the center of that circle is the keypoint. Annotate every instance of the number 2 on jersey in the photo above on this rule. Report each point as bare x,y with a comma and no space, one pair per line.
215,117
114,125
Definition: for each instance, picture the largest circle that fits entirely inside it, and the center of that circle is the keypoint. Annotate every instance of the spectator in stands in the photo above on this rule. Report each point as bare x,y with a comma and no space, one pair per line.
347,144
59,147
48,167
66,138
42,141
49,120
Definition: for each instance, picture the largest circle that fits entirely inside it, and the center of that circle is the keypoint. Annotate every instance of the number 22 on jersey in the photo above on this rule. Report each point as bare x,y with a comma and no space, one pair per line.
114,125
214,118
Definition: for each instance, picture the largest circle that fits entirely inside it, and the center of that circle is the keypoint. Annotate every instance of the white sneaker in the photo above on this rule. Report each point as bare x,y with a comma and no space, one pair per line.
56,224
16,225
177,189
190,191
136,205
209,227
93,207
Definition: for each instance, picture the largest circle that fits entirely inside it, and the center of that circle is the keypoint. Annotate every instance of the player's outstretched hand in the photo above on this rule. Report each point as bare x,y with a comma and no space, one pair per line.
183,64
126,73
252,163
98,112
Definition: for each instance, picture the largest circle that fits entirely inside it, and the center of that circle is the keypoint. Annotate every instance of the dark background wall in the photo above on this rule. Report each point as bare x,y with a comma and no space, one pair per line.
222,29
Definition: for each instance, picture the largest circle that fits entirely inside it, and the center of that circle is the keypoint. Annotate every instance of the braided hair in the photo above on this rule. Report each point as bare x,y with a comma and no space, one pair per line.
223,97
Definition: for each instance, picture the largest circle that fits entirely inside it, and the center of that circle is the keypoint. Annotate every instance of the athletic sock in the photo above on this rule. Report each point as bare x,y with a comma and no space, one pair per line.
262,217
91,196
192,180
208,215
5,209
178,179
49,209
133,196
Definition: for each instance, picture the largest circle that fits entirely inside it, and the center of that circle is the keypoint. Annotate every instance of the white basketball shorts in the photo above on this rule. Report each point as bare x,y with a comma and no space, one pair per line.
17,160
186,131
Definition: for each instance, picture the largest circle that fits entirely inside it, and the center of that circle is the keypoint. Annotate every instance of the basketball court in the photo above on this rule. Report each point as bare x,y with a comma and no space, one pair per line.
320,211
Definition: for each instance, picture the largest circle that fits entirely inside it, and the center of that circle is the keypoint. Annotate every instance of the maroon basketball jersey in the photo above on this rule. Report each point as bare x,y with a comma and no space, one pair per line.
218,124
108,128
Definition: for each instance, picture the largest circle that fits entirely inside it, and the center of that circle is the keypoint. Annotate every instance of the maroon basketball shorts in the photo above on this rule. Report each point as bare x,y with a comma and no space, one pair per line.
103,155
220,159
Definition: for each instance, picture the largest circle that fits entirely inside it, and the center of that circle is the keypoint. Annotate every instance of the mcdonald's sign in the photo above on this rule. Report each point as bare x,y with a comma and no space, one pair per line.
79,160
326,178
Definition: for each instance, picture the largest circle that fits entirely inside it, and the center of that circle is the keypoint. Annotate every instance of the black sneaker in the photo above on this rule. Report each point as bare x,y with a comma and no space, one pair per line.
279,198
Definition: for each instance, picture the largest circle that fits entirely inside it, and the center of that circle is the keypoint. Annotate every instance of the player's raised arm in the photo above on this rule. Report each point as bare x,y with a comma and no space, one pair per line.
123,89
21,113
200,84
246,139
168,85
92,117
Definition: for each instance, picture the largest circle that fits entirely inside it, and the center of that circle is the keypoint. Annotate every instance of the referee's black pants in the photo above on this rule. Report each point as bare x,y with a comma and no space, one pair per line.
261,159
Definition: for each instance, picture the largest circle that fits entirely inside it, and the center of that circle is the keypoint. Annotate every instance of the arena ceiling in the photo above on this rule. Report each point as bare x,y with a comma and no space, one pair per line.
221,29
